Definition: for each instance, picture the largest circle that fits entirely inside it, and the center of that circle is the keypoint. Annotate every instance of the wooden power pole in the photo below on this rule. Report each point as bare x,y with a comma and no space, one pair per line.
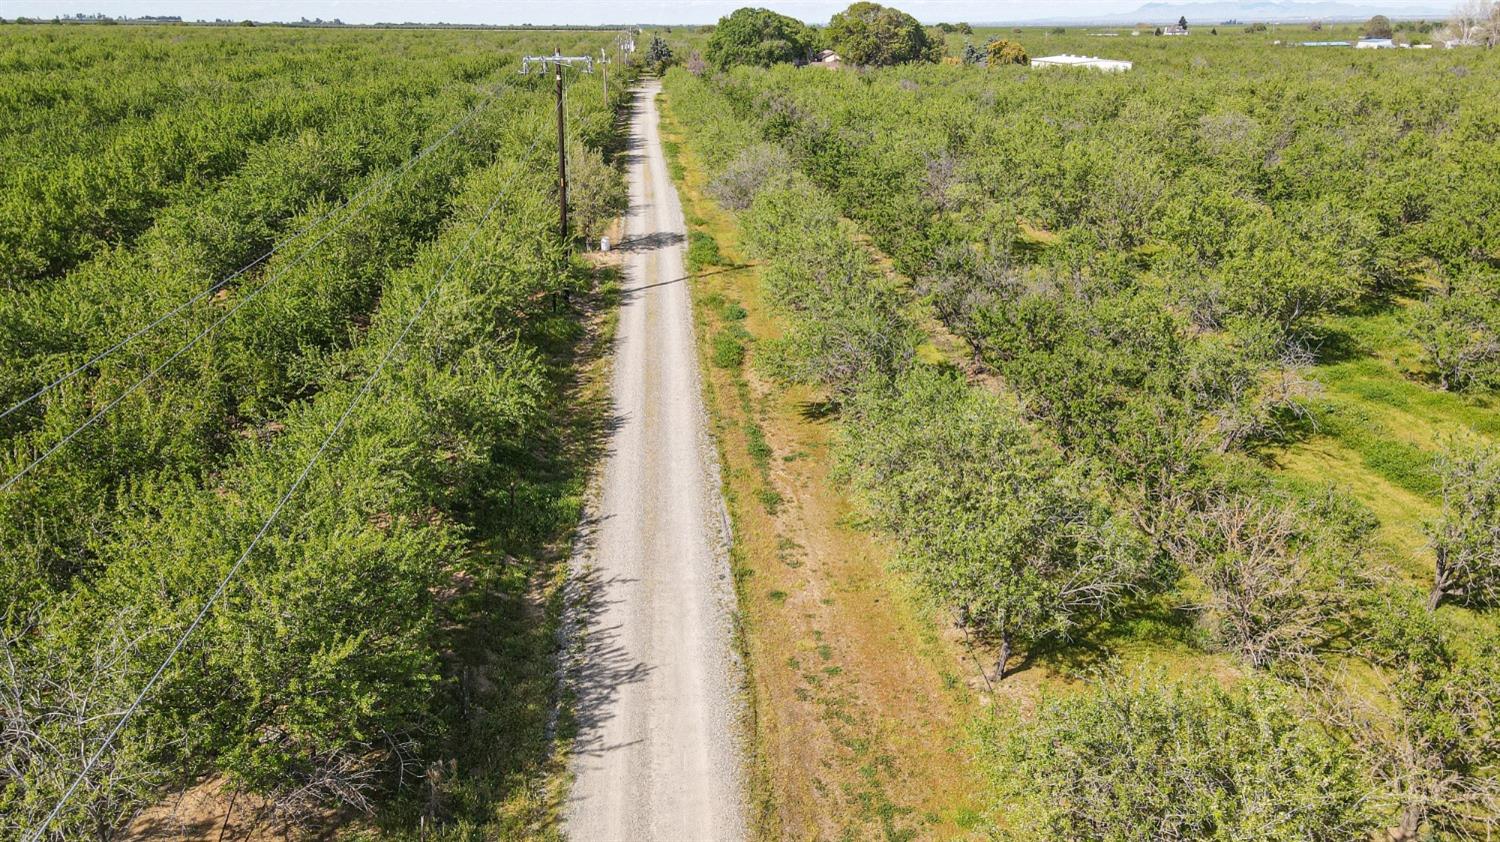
557,61
562,158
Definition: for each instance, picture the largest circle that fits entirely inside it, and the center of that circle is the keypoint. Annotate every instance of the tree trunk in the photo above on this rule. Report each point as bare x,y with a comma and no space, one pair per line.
1411,820
1003,659
1439,582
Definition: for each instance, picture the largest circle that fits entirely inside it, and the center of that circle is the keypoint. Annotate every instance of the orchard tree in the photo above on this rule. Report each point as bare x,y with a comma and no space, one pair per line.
847,323
1289,272
1379,27
1261,383
1006,52
992,522
599,193
757,167
1476,22
1466,536
758,37
1182,23
1458,330
1431,730
658,55
1140,758
1276,587
872,34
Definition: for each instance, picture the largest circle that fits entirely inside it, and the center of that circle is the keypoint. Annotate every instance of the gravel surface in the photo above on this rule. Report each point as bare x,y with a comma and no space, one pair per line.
653,667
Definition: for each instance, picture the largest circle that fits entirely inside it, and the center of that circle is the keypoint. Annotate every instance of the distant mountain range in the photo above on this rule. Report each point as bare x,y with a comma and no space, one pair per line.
1270,11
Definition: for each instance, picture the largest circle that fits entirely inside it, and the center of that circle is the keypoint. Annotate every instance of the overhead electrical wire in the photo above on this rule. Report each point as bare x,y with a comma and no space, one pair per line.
265,527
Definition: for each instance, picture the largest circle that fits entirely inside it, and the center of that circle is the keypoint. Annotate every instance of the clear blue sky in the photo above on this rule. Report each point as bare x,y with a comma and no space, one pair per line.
550,11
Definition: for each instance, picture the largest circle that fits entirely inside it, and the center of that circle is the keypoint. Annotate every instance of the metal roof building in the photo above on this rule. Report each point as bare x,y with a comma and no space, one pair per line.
1108,65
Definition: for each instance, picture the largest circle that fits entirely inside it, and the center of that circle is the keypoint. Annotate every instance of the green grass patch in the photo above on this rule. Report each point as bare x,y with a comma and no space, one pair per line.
1378,429
702,252
1381,448
728,349
760,449
770,498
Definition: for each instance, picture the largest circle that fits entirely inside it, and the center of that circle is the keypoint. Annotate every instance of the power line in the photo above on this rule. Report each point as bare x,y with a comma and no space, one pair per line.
265,527
281,271
348,203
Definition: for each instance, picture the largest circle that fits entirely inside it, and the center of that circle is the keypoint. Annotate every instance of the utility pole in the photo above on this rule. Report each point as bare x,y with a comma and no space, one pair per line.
604,74
557,61
562,159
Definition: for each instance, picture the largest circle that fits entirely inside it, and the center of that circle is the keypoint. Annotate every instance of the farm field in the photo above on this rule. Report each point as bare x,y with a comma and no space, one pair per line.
1155,386
950,446
298,416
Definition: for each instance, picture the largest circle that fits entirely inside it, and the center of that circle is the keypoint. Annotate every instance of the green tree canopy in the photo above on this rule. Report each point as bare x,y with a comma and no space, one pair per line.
758,37
1379,27
1006,52
993,522
1466,537
1140,758
869,33
658,54
1458,330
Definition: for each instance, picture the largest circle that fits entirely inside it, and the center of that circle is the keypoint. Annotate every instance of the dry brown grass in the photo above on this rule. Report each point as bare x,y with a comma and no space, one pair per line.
861,700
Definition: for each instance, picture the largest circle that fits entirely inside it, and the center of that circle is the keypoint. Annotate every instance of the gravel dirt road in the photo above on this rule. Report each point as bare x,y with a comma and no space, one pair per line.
657,755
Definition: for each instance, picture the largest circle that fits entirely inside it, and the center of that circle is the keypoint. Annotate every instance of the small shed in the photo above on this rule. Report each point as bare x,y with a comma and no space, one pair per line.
828,59
1374,44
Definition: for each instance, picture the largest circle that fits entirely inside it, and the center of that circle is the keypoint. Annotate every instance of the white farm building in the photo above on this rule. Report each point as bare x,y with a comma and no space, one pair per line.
1108,65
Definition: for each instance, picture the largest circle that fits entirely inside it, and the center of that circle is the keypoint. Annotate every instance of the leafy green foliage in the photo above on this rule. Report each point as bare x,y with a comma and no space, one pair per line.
322,679
703,251
87,166
1139,757
1002,52
1466,537
847,321
872,34
758,37
1458,329
1020,544
596,192
659,55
